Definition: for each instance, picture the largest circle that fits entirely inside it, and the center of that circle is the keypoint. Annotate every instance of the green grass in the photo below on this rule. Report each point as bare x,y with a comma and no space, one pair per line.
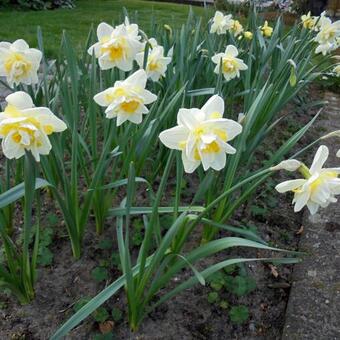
23,24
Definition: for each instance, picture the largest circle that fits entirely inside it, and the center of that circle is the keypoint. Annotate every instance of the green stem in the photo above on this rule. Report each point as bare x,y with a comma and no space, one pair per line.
29,176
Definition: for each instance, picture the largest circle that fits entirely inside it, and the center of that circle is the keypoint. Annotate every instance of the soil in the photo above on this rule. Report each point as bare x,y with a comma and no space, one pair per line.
188,315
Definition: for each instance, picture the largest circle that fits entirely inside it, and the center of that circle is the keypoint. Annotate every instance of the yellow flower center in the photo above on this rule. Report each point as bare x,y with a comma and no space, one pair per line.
17,63
16,137
213,147
229,65
153,66
130,107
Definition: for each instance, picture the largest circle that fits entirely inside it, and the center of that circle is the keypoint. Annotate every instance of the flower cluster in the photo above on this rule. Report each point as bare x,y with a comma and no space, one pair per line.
24,127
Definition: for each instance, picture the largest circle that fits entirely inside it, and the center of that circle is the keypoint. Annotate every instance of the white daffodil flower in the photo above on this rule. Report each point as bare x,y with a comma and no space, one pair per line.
336,70
19,63
231,66
318,188
221,23
328,36
202,136
156,64
116,47
25,127
126,100
308,21
235,27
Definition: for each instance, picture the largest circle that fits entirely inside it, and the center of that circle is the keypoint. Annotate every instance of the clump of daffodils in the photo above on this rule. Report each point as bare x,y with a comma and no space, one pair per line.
126,100
19,63
221,23
157,62
328,35
24,127
266,30
318,187
202,136
230,64
116,47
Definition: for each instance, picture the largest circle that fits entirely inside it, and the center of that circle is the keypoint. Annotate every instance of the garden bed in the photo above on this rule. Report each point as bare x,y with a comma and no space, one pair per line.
189,315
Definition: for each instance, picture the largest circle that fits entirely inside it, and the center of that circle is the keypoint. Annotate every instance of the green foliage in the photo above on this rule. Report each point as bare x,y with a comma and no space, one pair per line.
99,274
239,314
116,314
213,297
240,285
105,244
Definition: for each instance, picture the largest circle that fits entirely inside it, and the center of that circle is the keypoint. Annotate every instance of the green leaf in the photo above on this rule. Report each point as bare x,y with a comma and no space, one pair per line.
99,274
239,314
116,314
213,297
18,191
105,244
101,314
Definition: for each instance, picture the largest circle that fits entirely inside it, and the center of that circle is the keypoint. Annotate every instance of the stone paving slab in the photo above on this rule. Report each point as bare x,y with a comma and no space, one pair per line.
313,310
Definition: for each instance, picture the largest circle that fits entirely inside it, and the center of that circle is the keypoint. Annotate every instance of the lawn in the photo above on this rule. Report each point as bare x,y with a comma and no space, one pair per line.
23,24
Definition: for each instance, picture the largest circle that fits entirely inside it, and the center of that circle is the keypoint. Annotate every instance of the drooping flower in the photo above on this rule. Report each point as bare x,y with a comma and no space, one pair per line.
248,35
231,66
308,21
19,63
202,136
25,127
116,47
318,187
235,27
156,64
220,23
126,100
328,36
266,30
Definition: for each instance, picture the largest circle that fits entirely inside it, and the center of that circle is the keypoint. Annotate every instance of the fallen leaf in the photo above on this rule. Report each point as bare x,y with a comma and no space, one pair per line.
273,270
300,231
106,327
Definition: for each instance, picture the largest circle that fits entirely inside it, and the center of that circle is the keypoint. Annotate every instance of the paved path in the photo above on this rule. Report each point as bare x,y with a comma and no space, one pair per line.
313,311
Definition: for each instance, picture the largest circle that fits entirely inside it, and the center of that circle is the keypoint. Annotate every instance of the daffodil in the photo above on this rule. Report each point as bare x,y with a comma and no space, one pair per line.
156,64
318,187
19,63
231,66
236,28
25,127
328,36
220,23
248,35
266,30
202,135
308,21
116,47
126,100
